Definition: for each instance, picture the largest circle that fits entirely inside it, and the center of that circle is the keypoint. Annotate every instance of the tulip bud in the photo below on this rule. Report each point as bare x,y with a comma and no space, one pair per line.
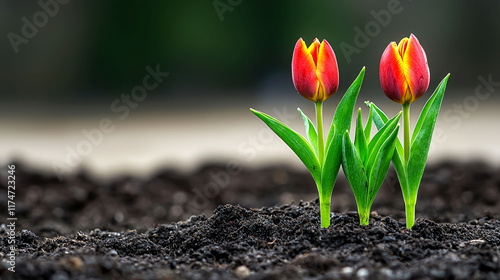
315,72
404,73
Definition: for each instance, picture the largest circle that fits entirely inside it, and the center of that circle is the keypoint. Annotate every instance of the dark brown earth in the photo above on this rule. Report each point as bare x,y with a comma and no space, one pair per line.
82,228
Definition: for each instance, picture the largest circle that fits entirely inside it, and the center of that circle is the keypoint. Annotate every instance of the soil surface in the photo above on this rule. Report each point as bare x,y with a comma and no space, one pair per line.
224,222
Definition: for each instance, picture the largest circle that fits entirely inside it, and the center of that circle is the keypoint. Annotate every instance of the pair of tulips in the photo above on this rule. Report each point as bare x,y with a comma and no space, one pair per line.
404,77
404,73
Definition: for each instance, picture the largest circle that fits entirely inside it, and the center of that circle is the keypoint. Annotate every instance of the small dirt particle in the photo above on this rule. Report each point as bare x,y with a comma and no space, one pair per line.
347,270
362,273
113,253
71,263
242,271
476,242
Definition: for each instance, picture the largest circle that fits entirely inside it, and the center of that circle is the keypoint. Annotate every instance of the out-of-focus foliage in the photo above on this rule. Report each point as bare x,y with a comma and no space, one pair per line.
90,47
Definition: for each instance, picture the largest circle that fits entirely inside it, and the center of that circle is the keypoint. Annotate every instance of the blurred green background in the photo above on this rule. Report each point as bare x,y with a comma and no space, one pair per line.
64,59
91,48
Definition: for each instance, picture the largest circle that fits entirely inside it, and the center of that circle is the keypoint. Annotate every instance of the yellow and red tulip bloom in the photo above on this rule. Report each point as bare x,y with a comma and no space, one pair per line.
314,70
404,73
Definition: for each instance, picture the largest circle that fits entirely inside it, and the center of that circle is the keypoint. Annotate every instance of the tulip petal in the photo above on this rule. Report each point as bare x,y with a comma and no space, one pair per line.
327,70
402,46
314,50
416,68
304,71
392,77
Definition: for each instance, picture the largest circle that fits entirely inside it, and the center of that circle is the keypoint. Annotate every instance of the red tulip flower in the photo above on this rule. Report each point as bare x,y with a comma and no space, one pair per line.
315,75
404,73
315,72
404,76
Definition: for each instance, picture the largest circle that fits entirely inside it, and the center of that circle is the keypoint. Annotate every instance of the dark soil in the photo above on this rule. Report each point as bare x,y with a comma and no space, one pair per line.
128,228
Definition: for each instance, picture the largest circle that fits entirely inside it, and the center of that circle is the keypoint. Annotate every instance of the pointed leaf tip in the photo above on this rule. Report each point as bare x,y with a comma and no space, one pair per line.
299,145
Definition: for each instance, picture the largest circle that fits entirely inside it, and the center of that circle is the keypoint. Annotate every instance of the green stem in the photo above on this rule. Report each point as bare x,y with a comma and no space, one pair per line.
409,205
364,216
324,200
319,121
406,116
410,214
324,204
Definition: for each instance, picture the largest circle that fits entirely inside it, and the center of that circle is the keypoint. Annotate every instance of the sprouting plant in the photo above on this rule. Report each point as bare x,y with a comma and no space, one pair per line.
404,76
315,76
366,162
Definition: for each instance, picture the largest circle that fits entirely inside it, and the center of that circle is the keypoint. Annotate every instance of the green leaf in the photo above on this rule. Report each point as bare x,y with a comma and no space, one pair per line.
296,142
311,133
428,108
381,136
354,171
343,114
380,118
368,128
341,122
422,136
380,165
359,140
